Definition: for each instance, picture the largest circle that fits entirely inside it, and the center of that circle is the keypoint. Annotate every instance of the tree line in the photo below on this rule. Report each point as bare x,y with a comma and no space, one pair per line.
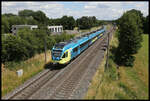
30,17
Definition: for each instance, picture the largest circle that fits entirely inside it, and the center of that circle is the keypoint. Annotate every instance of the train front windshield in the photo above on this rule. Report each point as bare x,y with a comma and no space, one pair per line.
57,50
59,46
57,53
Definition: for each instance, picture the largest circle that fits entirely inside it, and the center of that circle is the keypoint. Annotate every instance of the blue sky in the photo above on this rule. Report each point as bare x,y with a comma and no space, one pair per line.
102,10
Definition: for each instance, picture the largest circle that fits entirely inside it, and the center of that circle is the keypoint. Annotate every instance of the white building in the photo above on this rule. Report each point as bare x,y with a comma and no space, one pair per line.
16,27
55,28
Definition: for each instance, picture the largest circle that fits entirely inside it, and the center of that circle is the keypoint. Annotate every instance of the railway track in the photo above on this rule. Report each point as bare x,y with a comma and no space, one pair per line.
65,88
56,85
27,91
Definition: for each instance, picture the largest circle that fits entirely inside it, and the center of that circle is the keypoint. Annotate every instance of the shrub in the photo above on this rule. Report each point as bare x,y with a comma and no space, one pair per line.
13,49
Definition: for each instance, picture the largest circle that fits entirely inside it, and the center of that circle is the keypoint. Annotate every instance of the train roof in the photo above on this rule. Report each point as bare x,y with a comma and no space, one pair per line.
75,41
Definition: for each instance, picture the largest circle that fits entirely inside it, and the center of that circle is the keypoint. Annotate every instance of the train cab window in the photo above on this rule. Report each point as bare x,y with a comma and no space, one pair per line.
65,55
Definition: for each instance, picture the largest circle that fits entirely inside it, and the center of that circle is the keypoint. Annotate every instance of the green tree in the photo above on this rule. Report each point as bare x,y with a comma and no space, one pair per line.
13,49
146,24
86,22
25,13
83,22
31,40
71,23
40,17
64,21
9,14
68,23
5,25
129,38
16,20
31,21
33,17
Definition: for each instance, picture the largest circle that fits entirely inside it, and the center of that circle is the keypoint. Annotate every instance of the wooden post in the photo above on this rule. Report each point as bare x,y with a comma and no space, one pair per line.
45,49
107,52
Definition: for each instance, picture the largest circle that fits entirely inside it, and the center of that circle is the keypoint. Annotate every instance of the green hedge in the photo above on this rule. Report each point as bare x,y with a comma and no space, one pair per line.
27,43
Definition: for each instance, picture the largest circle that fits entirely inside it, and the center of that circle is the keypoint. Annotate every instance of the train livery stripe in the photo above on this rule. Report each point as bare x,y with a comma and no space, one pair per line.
66,59
94,39
100,34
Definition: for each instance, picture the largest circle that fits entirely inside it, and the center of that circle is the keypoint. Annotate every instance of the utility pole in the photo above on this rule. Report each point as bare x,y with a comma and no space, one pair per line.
45,46
107,52
43,29
45,49
79,30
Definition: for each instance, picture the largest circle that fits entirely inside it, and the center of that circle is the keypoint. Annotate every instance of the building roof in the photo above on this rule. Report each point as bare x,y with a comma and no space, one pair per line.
54,26
23,25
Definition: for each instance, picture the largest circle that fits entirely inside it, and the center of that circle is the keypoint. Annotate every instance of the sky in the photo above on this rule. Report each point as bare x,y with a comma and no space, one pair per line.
101,10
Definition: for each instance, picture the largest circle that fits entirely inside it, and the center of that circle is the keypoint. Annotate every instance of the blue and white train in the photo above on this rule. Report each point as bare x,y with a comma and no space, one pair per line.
64,52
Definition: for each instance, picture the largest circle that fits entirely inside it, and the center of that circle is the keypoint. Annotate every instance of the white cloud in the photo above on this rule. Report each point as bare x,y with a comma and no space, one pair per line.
52,9
8,4
89,7
102,10
113,10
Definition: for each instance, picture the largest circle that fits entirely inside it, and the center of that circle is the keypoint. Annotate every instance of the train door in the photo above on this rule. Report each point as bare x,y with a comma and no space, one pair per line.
78,50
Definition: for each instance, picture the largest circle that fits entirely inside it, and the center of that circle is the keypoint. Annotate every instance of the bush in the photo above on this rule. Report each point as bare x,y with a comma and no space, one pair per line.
13,49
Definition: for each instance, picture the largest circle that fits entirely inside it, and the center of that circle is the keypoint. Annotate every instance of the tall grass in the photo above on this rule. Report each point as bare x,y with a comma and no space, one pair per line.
30,67
122,83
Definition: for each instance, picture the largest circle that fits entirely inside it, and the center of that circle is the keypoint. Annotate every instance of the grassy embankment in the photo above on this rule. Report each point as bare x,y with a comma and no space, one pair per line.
91,29
30,67
122,83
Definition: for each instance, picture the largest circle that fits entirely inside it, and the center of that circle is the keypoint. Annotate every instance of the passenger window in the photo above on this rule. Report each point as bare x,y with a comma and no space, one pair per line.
75,49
